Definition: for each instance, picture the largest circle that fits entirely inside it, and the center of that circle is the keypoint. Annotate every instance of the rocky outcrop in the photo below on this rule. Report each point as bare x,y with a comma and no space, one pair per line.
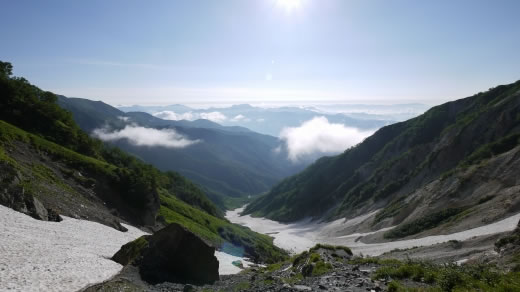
14,196
173,254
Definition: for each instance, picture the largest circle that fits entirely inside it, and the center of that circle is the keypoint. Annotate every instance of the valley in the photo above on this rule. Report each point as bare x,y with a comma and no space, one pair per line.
415,193
303,235
259,146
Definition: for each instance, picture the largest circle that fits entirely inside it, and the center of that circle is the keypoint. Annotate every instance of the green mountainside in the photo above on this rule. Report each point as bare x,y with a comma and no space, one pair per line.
44,155
449,157
230,163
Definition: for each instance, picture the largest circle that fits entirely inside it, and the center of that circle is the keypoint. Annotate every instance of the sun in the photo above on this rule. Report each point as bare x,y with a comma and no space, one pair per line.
289,5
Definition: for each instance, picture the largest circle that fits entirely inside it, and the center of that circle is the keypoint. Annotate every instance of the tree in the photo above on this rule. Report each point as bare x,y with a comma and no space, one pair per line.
6,69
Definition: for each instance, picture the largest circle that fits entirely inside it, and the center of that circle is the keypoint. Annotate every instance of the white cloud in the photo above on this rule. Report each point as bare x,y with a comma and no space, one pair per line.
216,117
213,116
169,115
240,118
124,119
142,136
320,136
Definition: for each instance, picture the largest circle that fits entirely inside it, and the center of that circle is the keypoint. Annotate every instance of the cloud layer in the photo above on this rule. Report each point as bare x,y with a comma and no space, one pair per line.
216,117
320,136
142,136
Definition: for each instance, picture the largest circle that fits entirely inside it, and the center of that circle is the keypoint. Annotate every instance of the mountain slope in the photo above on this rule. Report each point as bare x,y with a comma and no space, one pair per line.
389,169
102,184
232,163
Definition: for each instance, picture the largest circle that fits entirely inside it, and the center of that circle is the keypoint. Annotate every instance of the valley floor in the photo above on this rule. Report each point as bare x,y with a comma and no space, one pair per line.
301,236
66,256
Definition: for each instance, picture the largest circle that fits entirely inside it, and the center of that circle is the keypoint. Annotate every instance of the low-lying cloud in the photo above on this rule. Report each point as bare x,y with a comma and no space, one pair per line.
216,117
169,115
319,136
141,136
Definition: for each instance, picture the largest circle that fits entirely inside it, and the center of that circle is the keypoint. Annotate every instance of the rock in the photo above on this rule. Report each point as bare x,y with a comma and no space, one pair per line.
322,287
307,270
172,254
302,288
36,209
188,288
117,225
52,215
130,251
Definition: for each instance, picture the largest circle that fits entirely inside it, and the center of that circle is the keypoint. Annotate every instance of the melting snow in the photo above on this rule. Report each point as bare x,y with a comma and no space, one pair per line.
66,256
300,236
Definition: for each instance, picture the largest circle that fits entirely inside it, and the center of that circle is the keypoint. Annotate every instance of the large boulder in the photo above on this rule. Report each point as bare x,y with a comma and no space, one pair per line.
173,254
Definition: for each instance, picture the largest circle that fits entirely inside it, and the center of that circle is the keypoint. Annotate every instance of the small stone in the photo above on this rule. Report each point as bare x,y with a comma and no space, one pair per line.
302,288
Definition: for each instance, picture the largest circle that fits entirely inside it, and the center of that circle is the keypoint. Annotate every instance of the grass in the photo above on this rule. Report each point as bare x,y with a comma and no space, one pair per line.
331,247
218,231
390,211
321,268
492,149
131,250
242,286
423,223
213,229
10,133
449,277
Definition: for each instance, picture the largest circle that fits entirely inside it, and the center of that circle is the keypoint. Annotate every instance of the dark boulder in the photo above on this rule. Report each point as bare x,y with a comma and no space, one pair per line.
53,215
173,254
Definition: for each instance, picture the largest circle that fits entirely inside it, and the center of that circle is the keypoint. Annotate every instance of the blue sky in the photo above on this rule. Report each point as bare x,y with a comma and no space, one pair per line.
164,52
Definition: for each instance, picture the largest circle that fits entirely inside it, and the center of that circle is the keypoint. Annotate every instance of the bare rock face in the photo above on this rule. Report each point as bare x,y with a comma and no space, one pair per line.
172,254
14,196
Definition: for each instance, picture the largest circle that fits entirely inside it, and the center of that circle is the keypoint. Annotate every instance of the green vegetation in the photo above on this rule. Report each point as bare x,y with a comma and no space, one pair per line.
423,223
242,286
274,267
229,165
510,239
120,177
449,277
391,210
398,159
492,149
129,252
217,230
331,247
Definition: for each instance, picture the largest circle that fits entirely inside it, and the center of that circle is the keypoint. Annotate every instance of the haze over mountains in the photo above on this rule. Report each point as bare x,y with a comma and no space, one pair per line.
229,161
455,165
272,120
451,169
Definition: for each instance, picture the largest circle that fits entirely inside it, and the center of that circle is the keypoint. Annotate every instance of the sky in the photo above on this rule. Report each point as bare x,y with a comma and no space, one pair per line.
233,51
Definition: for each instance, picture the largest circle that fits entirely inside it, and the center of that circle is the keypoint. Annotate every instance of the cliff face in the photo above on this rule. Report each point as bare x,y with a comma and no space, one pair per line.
454,156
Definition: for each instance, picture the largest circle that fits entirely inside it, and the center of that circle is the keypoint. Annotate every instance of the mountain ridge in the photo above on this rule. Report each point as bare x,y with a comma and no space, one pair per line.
398,160
230,162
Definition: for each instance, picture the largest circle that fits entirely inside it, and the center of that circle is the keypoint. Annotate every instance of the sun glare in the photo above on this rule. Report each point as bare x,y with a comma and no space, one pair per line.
289,5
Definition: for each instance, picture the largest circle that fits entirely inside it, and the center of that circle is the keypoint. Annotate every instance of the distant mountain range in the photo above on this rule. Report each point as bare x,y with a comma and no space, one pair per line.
231,163
456,165
272,121
50,167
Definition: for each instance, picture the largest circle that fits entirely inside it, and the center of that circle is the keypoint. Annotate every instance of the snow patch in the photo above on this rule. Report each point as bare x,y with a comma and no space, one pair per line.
302,235
66,256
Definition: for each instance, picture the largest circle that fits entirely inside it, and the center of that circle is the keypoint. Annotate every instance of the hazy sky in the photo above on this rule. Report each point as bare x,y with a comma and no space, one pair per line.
214,51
